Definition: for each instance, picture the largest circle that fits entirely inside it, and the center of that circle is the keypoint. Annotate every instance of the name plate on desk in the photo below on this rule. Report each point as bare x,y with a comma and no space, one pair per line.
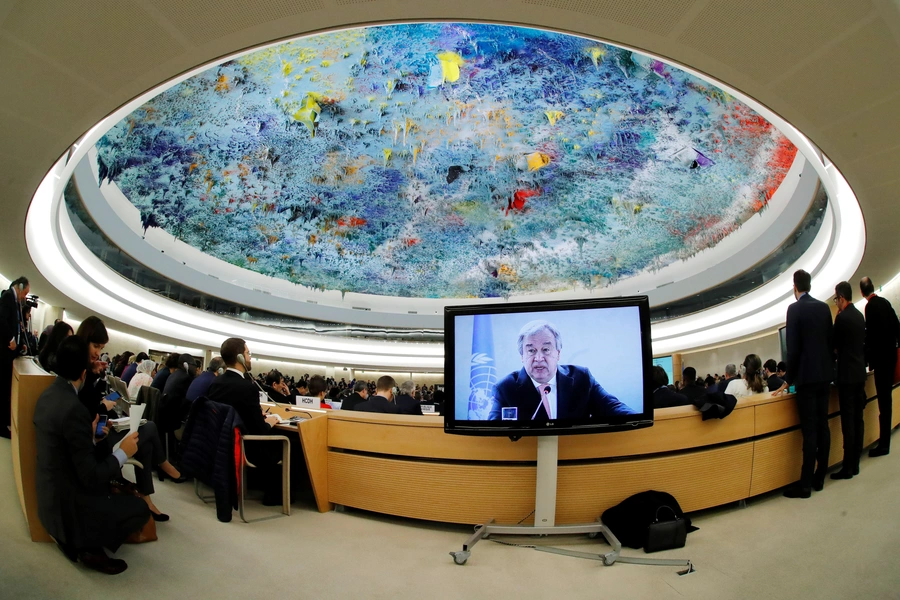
427,409
307,401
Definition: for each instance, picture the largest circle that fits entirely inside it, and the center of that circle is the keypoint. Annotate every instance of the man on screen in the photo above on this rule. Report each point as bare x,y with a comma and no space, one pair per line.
543,389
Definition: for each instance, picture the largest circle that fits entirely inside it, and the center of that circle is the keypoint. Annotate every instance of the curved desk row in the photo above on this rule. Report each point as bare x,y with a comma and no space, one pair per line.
407,466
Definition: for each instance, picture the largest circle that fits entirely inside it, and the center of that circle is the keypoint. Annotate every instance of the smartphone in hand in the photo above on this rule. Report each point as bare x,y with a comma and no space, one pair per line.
101,423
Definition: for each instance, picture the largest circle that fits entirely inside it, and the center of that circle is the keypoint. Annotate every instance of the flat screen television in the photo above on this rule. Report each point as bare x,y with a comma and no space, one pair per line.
548,368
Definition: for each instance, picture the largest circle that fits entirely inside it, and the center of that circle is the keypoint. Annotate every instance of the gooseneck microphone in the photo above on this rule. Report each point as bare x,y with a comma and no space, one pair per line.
546,390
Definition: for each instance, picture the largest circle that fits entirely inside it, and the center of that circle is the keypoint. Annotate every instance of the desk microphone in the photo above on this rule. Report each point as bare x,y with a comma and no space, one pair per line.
541,403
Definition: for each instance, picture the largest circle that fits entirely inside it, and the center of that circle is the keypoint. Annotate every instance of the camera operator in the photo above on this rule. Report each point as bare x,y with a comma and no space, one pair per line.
12,342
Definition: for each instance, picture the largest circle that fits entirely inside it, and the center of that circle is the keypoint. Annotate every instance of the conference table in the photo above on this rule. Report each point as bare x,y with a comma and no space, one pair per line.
407,466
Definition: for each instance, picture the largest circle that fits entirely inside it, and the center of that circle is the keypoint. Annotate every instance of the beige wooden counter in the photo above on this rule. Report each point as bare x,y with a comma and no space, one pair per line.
29,380
407,466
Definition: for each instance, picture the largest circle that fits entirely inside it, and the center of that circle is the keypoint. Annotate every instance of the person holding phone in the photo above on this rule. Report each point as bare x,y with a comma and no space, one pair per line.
72,483
93,395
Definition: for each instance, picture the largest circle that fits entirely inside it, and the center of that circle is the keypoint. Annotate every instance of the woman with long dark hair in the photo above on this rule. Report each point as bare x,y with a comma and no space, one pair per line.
150,449
750,382
61,330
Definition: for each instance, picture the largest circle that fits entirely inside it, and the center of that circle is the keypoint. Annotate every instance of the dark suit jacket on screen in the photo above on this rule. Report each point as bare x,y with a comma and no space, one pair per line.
578,395
850,343
809,342
882,333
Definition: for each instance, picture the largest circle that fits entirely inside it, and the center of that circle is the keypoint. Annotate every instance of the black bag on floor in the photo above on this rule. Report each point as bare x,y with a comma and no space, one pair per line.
667,531
630,520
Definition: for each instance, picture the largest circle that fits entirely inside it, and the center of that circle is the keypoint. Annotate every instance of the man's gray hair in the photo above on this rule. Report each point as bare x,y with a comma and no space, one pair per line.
408,387
532,327
216,364
360,385
730,370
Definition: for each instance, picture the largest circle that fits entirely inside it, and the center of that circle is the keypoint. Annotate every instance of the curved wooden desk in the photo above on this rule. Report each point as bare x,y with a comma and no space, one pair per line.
407,466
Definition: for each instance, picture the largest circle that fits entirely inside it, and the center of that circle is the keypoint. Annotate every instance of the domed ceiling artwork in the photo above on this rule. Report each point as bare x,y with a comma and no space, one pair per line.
446,160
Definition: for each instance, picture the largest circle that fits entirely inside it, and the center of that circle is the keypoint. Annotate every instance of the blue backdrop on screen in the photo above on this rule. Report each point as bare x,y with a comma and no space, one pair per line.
605,341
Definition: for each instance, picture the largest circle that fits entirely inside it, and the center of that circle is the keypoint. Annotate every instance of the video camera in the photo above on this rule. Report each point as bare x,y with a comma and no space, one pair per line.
31,301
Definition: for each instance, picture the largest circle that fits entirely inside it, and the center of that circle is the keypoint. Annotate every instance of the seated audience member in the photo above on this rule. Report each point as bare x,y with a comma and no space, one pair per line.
130,371
122,363
175,406
200,385
144,376
302,388
751,381
359,395
406,403
235,389
93,392
61,330
710,383
693,390
773,381
781,369
317,389
730,375
162,375
150,451
277,389
663,396
72,483
42,339
382,400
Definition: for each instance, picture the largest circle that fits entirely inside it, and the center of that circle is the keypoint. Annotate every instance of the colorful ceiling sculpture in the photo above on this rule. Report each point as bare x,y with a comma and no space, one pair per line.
446,161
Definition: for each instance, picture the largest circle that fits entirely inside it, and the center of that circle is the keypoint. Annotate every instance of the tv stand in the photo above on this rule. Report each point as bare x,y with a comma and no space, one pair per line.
545,520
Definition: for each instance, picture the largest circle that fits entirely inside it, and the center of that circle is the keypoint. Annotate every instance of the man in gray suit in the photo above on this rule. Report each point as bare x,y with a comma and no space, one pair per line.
74,503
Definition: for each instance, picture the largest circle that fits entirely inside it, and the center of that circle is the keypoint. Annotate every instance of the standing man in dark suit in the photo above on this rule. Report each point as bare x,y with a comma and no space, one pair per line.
882,334
810,362
74,503
236,389
406,404
11,339
359,395
382,401
850,348
543,389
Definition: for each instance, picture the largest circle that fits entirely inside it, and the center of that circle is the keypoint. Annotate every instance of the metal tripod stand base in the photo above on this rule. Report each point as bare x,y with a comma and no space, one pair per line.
592,529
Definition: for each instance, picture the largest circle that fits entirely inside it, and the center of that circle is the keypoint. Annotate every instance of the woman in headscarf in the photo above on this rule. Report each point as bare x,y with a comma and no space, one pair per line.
144,376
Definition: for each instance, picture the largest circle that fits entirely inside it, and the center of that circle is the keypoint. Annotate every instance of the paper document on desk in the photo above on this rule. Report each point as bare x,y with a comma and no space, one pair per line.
134,416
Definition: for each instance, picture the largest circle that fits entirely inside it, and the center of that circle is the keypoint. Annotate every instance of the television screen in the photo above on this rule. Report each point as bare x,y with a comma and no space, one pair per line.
554,368
666,363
